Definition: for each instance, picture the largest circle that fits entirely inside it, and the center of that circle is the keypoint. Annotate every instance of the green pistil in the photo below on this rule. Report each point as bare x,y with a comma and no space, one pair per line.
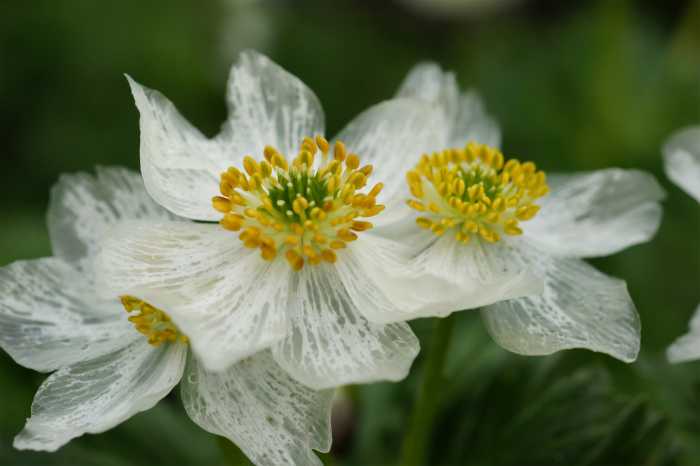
311,187
475,176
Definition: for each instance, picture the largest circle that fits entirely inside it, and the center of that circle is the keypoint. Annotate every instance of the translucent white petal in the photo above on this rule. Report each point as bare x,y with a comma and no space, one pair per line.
597,213
224,297
687,347
427,81
272,418
84,207
331,343
268,106
470,122
467,117
392,136
682,160
580,308
389,285
478,273
180,166
50,317
94,396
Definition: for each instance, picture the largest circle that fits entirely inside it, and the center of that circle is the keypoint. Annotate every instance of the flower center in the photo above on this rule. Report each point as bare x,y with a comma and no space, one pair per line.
152,322
305,210
475,192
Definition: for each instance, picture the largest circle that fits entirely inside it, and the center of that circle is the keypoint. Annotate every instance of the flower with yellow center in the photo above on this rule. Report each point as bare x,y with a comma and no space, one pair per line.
283,255
109,364
682,164
511,238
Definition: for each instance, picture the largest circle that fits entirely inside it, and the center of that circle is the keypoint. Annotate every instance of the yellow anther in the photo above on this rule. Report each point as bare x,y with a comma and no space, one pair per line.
371,212
153,323
337,244
367,170
322,144
511,228
346,235
222,204
424,222
225,188
339,151
269,153
308,145
294,259
527,211
352,161
251,166
232,222
374,192
268,253
329,255
416,205
361,226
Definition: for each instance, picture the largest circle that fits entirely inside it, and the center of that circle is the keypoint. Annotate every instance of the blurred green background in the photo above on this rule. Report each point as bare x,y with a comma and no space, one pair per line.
575,85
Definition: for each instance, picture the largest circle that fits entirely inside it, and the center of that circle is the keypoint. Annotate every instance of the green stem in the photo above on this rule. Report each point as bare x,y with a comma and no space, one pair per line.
415,444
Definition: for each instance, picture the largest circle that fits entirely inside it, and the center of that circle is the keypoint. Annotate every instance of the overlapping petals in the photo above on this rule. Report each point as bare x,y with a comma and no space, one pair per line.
106,371
331,325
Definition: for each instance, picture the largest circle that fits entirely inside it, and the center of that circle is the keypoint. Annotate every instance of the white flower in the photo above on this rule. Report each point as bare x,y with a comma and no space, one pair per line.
109,366
682,163
290,266
682,159
491,224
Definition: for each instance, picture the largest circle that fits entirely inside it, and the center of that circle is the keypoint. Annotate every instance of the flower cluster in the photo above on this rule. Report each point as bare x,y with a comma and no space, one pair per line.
261,284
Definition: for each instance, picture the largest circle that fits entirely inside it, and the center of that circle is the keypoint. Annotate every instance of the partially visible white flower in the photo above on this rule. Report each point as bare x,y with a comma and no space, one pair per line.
682,163
110,364
682,159
290,265
492,224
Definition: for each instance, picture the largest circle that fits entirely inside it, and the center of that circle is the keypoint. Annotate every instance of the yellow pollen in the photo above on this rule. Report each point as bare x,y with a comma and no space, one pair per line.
475,191
302,209
152,322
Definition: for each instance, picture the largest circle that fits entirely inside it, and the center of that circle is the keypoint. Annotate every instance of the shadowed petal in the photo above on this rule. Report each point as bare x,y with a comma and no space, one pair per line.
580,308
50,317
272,418
94,396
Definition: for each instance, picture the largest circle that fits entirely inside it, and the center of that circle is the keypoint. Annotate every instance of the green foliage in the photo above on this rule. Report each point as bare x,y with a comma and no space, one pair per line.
579,86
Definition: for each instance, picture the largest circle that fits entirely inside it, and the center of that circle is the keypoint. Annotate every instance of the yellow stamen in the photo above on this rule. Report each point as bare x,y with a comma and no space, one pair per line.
152,322
476,191
302,209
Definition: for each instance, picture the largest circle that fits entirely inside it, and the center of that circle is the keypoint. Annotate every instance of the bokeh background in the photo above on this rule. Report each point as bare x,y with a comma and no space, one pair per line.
575,85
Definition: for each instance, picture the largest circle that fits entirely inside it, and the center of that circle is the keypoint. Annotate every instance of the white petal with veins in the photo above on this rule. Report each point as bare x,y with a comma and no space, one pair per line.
96,395
223,296
267,106
682,160
597,213
84,208
50,318
331,343
272,418
580,308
